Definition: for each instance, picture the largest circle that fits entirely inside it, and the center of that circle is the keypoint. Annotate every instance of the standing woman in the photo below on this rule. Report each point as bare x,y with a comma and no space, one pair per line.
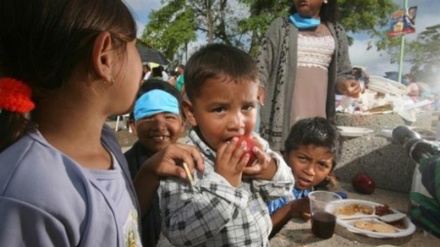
303,62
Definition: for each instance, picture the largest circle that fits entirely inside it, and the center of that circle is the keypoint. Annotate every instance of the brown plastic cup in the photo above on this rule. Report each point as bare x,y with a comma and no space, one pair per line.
322,207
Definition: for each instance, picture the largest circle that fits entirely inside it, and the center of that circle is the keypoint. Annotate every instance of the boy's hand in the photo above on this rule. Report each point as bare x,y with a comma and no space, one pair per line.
165,162
265,168
229,163
300,208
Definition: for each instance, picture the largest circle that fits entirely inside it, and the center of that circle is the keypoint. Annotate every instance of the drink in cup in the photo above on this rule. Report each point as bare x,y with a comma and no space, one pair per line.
322,207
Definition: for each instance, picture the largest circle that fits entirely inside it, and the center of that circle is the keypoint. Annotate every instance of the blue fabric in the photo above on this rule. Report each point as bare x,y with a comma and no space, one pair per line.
41,187
276,204
303,23
154,102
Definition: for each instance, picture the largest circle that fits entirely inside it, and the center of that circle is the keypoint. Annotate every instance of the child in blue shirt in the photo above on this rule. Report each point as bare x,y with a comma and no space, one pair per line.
311,150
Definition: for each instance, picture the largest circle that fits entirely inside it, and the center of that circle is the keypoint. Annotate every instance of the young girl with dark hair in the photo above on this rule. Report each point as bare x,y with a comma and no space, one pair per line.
68,65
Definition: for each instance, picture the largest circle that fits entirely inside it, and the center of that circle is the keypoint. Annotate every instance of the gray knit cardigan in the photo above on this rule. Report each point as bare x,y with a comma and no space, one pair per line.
277,63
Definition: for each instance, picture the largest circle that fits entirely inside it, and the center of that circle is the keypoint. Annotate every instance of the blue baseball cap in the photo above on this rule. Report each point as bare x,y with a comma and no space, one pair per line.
154,102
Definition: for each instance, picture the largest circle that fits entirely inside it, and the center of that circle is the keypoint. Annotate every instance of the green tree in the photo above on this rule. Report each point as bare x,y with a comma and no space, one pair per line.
225,21
170,28
367,16
179,22
424,55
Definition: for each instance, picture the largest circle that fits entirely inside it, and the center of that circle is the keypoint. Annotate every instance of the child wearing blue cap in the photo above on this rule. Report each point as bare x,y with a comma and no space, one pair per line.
157,122
225,206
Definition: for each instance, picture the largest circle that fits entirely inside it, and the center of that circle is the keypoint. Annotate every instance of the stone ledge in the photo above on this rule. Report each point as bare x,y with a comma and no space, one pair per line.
385,161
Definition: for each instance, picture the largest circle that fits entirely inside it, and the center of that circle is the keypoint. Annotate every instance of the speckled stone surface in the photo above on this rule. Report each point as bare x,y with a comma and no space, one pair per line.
375,122
383,160
424,119
298,233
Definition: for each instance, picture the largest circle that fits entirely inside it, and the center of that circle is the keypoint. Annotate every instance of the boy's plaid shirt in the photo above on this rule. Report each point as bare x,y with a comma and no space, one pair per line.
214,213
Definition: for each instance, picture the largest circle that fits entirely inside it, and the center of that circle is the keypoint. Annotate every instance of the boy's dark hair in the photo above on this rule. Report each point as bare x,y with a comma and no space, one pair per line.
152,84
217,61
316,131
328,13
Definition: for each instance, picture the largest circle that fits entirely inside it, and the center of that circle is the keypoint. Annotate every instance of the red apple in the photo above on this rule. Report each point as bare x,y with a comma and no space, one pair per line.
250,144
363,183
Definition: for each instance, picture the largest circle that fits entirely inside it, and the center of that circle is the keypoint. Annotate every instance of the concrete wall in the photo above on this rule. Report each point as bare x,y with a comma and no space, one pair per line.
385,161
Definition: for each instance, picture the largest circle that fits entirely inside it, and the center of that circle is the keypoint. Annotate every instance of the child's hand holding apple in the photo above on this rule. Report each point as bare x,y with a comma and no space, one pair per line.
260,164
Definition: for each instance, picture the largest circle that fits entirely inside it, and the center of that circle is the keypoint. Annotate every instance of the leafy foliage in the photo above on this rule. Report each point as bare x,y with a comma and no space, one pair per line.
170,28
424,55
242,23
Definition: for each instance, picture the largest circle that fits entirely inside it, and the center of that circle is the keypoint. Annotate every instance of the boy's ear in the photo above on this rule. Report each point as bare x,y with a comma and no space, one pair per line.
103,55
188,109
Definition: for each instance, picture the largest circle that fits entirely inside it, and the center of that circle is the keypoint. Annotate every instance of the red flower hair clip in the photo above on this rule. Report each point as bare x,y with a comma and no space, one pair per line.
15,96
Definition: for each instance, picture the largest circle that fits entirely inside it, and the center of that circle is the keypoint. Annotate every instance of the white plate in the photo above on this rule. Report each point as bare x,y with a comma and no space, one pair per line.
349,223
354,131
386,89
382,80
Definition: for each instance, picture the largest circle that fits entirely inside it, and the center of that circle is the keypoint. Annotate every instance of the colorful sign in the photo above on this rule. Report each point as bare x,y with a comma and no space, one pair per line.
403,22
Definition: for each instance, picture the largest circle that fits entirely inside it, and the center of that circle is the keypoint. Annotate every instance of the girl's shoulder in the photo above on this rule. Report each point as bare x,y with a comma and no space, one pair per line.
34,173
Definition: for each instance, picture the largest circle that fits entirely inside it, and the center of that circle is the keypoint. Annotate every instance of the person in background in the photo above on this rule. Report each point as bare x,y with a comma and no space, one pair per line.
303,61
361,76
156,73
312,150
146,71
165,76
413,88
180,83
63,178
225,206
173,78
158,122
180,69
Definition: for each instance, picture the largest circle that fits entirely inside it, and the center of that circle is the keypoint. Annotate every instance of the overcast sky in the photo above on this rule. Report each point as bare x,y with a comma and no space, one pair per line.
376,63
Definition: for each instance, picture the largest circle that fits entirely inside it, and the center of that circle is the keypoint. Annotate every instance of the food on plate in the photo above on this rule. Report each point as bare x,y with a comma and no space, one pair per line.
364,225
400,224
354,208
384,228
374,227
363,183
383,210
